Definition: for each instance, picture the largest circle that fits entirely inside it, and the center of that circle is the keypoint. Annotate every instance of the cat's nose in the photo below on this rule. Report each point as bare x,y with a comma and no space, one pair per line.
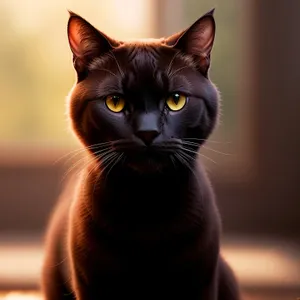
147,136
147,126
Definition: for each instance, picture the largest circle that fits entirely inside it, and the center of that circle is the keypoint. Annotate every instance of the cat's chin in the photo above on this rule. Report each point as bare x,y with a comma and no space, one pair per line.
148,165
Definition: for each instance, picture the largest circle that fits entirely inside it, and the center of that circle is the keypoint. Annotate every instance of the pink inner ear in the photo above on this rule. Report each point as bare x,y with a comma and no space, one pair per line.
75,38
204,36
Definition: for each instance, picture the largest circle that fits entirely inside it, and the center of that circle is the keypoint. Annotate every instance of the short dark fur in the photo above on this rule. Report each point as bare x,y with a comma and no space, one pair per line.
140,221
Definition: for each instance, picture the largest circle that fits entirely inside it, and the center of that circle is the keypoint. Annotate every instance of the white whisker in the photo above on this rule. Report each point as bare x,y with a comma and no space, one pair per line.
171,63
216,151
116,161
82,149
205,140
178,70
198,153
108,71
90,159
117,63
208,158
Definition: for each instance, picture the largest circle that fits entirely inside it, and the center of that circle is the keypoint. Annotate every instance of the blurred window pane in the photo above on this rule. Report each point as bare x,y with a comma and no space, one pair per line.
36,70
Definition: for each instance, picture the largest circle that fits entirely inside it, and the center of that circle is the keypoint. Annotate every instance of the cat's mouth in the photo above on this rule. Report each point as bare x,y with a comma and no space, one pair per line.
168,146
149,159
153,158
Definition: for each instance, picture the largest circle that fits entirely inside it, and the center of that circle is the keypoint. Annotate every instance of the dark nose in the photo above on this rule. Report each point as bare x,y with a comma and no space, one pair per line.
147,128
147,136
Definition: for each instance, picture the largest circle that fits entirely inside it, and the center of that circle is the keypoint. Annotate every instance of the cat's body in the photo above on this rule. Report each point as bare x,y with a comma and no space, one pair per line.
146,227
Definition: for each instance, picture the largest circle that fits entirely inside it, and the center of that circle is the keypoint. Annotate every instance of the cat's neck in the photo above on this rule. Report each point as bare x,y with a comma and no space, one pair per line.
130,188
124,199
126,179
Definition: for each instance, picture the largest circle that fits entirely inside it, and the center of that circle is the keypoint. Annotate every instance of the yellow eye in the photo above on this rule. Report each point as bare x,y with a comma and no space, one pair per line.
176,101
115,103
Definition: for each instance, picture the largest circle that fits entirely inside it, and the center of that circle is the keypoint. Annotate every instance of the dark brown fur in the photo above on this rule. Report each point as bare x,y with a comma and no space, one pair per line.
146,227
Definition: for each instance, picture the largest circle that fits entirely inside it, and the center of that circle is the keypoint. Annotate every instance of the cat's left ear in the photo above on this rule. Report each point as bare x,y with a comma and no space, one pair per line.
86,43
197,40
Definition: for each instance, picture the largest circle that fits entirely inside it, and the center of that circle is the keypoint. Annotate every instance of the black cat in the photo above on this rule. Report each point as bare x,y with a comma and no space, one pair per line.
140,221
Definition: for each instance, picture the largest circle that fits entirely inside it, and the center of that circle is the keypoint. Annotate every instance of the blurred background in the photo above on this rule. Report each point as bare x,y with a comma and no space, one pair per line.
252,158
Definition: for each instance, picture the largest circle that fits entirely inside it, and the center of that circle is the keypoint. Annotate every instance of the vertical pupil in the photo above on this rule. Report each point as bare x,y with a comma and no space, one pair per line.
176,98
115,100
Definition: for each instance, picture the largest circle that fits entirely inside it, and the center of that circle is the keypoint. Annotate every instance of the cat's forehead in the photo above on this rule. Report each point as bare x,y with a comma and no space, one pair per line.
143,54
144,41
133,57
144,66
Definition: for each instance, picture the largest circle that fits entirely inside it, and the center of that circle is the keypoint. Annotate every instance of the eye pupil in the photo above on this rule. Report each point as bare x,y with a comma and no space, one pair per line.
116,100
176,98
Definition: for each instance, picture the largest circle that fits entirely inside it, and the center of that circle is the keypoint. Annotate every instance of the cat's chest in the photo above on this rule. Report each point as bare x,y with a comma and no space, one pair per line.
138,228
138,254
148,210
154,211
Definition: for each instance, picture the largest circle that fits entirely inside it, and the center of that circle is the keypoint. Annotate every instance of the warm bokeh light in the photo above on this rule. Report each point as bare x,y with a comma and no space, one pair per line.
36,65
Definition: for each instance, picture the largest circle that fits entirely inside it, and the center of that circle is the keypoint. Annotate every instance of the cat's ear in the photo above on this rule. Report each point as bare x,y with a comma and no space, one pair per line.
86,42
197,40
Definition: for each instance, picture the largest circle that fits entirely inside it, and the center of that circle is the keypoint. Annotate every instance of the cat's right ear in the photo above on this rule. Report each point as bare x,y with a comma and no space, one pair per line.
86,43
197,41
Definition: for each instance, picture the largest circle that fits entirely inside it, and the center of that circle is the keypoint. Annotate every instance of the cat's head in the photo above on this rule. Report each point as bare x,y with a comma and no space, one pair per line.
147,103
